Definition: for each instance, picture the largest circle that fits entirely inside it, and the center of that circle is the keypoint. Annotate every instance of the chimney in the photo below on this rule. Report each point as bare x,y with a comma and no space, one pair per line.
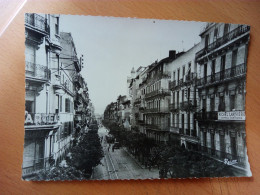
172,54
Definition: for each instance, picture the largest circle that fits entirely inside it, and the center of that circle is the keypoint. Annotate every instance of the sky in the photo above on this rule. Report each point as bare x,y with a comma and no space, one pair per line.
112,46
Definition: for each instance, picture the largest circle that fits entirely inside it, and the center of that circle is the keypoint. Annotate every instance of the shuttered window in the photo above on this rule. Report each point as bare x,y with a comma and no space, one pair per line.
67,105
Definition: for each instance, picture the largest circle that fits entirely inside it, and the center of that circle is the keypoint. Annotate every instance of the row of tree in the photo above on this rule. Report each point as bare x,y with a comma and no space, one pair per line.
79,162
171,160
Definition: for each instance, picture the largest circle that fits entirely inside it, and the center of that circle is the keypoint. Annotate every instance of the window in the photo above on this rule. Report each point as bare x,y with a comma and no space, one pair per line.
60,103
57,103
226,27
212,104
178,75
188,95
215,34
177,99
57,25
29,106
234,58
232,102
183,71
205,71
222,66
206,41
221,106
67,105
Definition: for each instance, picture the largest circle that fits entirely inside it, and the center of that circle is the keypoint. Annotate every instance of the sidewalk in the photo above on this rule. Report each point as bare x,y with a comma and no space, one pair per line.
136,161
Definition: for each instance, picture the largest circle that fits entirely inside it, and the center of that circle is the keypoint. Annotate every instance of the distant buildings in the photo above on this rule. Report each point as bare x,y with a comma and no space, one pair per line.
194,99
56,94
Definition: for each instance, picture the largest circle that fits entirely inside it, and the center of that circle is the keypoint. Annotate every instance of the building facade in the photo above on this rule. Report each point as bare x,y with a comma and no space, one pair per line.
51,66
184,99
221,89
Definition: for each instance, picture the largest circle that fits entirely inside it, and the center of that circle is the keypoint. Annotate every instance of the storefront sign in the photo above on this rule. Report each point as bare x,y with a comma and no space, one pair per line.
232,115
41,119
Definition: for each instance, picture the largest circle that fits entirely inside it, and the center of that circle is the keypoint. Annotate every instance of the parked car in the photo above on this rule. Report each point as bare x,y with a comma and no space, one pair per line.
116,145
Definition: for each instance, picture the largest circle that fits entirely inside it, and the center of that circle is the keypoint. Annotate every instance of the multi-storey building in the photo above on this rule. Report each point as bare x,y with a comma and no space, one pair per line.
140,100
75,89
221,89
110,112
42,50
51,65
183,105
135,97
157,100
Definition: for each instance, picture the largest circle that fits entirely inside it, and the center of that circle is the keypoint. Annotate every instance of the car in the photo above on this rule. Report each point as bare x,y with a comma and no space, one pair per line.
116,145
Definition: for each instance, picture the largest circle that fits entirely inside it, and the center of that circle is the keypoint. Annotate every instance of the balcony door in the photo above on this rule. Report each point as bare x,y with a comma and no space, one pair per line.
226,27
206,41
205,72
182,123
222,67
233,146
212,139
222,144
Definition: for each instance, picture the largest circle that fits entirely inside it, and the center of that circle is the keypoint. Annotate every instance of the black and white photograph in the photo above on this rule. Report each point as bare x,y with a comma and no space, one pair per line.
110,98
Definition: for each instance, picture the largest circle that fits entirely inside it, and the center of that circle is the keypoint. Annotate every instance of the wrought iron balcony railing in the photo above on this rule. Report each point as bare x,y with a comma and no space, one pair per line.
172,85
137,101
161,92
188,106
158,127
189,78
37,22
37,71
157,110
223,40
202,116
239,70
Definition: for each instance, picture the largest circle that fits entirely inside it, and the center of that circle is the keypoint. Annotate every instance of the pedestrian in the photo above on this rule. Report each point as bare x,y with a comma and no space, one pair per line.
108,148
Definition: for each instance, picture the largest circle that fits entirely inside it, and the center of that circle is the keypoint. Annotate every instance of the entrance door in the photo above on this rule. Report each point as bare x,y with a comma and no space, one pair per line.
222,146
182,123
233,147
212,139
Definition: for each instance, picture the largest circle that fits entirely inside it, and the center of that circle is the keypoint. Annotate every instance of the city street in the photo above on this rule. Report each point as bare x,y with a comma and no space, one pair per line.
119,164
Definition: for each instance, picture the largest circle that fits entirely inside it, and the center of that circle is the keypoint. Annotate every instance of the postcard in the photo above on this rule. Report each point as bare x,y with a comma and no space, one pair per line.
112,98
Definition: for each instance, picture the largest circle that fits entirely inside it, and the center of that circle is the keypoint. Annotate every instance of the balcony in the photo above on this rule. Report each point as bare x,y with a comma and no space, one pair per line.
157,110
172,85
158,127
213,115
188,106
34,121
174,130
137,101
223,40
190,78
156,93
222,76
164,74
37,24
179,84
37,72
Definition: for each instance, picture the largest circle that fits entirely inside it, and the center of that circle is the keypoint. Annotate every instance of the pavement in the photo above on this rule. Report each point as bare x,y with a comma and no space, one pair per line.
119,164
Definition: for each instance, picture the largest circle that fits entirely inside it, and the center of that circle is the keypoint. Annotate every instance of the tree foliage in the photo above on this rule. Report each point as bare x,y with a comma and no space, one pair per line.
80,161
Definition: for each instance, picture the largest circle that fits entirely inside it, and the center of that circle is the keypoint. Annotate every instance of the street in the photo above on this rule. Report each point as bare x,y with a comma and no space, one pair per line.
119,164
